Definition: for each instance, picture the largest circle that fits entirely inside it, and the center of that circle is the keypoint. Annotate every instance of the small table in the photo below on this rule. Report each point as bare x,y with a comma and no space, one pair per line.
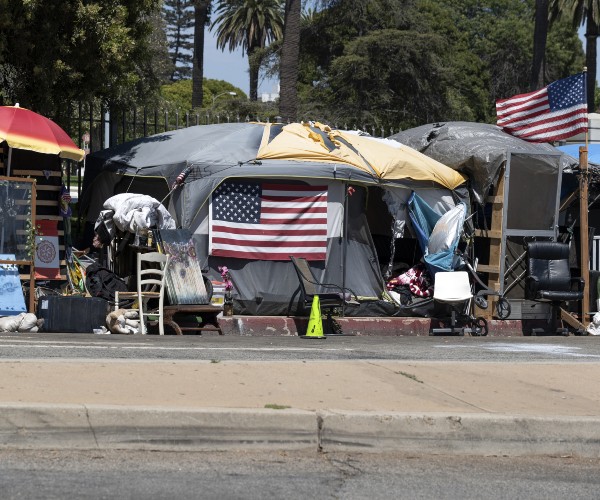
207,312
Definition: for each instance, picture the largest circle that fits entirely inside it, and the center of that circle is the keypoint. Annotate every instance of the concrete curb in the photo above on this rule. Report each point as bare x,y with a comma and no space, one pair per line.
376,326
153,428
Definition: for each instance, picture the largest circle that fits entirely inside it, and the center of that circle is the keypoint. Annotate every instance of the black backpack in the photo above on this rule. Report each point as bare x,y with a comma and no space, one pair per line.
102,282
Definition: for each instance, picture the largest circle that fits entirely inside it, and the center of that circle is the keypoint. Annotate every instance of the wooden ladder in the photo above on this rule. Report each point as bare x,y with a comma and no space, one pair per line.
494,238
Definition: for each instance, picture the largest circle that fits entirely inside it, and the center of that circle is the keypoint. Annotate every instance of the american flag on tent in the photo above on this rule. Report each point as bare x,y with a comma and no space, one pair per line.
268,221
553,113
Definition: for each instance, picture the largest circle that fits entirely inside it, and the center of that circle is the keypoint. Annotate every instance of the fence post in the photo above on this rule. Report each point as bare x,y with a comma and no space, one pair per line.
166,120
91,118
134,134
124,126
177,119
145,128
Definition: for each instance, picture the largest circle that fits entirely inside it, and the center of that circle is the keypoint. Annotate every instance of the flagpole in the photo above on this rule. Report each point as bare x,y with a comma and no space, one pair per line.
584,247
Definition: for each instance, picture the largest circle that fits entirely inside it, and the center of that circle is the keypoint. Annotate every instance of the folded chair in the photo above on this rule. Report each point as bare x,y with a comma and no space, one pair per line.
330,296
549,280
151,272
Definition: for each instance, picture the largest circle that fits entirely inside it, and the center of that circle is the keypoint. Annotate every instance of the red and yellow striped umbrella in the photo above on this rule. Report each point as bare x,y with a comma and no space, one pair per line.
24,129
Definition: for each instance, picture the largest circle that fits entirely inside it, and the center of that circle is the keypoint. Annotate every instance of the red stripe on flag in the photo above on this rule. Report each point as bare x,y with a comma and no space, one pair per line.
268,255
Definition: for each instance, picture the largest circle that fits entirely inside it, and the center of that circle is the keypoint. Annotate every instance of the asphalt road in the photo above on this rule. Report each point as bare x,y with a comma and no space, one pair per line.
188,347
257,475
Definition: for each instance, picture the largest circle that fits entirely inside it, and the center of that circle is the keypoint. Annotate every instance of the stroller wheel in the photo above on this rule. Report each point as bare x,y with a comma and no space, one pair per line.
480,327
503,308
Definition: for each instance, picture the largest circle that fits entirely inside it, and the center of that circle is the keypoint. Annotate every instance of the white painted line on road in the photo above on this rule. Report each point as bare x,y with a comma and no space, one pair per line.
146,347
558,350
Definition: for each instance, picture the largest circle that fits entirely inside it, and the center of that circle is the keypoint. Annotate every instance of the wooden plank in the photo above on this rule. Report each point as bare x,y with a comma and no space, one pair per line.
23,247
44,217
37,173
23,232
488,233
46,203
494,235
571,320
488,268
495,200
48,188
39,203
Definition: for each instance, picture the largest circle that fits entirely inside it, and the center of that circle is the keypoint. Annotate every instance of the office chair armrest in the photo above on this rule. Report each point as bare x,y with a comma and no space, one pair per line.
579,282
532,285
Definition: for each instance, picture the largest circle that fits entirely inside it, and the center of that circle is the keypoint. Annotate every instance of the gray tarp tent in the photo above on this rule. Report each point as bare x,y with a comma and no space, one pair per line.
476,149
294,153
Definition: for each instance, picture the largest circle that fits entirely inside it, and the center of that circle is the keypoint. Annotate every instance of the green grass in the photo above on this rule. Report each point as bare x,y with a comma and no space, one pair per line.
273,406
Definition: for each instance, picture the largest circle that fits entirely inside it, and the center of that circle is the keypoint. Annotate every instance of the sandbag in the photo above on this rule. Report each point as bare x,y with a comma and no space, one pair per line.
24,322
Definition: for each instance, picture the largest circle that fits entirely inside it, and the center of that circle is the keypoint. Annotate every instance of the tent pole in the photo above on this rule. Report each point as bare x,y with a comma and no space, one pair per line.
9,161
345,245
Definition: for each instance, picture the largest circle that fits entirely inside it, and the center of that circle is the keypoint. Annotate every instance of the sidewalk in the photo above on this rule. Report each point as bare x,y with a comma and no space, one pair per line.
414,407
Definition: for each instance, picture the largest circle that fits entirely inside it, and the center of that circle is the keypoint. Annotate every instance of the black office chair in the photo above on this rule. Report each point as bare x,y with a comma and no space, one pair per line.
549,280
331,296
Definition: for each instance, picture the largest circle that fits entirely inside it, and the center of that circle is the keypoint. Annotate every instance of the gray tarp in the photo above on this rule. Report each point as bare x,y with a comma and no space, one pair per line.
477,150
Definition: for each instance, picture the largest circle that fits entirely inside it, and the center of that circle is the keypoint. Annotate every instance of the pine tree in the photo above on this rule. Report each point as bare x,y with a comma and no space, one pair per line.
179,20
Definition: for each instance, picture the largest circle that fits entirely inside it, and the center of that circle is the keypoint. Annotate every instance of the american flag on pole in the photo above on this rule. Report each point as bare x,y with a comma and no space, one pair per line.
555,112
268,221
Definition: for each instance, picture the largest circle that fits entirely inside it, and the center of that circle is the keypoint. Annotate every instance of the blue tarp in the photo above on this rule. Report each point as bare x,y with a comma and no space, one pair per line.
438,235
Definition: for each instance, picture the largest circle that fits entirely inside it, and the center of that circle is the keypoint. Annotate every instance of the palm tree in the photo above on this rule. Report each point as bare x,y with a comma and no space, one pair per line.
251,25
288,69
201,15
582,12
540,36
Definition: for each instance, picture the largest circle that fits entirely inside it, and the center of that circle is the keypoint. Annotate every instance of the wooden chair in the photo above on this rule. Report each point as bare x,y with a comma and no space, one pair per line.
151,274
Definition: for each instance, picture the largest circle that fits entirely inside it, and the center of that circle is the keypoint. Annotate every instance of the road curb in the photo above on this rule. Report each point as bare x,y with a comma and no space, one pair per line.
291,326
167,429
466,434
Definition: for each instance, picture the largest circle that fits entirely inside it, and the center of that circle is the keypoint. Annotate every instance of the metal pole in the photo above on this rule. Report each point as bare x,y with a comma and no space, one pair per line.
583,231
345,246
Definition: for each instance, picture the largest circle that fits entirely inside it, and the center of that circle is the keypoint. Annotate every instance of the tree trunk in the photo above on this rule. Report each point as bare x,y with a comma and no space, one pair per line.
591,37
540,35
288,73
254,68
201,9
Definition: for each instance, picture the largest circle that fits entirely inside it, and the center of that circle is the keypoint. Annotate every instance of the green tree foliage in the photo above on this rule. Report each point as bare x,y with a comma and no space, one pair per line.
408,62
179,20
55,52
251,25
178,95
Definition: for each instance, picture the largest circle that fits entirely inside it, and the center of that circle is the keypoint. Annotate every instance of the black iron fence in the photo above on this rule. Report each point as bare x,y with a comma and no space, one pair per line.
95,127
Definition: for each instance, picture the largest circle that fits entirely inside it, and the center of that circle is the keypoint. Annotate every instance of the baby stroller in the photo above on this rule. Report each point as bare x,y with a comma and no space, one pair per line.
455,277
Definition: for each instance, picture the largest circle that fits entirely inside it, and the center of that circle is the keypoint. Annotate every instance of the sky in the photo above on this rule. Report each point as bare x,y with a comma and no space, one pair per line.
231,67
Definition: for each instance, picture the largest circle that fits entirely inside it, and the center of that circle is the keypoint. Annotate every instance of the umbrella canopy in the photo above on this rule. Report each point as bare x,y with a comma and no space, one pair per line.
24,129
